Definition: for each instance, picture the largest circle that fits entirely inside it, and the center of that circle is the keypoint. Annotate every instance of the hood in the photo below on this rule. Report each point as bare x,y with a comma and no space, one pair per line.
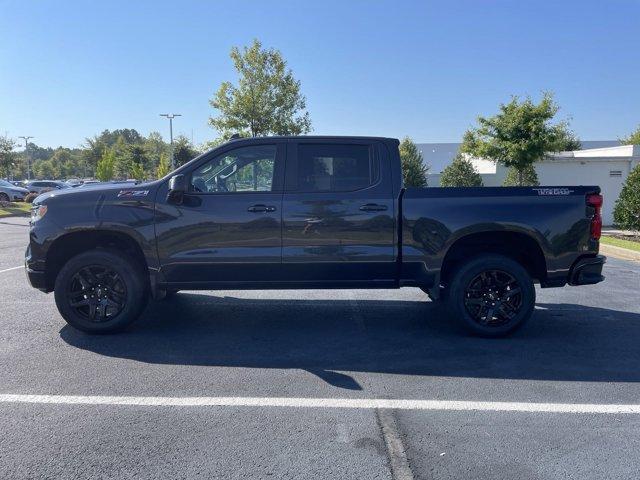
18,189
109,190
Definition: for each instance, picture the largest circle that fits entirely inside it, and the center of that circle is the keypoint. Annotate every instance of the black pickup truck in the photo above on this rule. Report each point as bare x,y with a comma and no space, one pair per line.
310,212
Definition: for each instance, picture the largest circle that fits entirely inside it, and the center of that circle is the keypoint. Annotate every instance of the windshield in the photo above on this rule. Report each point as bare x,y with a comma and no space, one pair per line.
4,183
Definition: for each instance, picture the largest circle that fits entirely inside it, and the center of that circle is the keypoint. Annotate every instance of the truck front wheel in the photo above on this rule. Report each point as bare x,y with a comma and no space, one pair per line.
100,291
491,296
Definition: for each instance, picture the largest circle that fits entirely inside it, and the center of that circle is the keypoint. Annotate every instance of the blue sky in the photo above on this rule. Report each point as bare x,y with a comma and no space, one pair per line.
425,69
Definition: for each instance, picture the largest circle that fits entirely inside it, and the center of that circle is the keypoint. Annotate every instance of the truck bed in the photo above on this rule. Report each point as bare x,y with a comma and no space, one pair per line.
556,218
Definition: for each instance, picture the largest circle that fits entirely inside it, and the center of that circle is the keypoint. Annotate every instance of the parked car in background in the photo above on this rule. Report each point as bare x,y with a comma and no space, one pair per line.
89,182
38,186
18,183
11,193
74,182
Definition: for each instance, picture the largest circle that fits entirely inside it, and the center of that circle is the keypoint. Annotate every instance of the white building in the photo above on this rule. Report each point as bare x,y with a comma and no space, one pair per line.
606,167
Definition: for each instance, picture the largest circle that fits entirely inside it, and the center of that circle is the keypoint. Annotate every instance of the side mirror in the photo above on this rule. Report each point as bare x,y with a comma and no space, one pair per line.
177,189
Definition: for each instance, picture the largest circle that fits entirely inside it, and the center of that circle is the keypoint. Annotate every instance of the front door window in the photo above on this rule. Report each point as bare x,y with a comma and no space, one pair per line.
246,169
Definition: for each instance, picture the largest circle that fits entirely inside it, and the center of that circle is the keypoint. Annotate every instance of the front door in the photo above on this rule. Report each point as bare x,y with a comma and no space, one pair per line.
228,228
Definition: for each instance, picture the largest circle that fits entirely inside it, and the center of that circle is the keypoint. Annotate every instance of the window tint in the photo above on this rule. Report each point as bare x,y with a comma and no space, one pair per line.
336,168
246,169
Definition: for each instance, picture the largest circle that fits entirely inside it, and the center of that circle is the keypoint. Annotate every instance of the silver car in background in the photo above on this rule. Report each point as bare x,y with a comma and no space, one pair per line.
10,193
38,186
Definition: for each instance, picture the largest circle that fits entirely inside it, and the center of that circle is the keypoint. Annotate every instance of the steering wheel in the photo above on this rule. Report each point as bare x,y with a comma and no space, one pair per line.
199,185
221,185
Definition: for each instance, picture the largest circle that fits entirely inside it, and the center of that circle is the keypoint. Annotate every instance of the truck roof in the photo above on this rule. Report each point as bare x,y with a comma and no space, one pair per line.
319,137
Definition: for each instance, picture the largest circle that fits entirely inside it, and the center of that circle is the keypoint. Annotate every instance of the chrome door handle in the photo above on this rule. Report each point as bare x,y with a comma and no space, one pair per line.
373,207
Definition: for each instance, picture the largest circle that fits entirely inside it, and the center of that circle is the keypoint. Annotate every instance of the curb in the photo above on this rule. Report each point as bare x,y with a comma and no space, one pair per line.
619,252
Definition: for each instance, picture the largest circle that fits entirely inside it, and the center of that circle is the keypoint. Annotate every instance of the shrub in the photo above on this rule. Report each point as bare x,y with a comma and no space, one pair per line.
414,171
529,177
32,196
460,173
626,213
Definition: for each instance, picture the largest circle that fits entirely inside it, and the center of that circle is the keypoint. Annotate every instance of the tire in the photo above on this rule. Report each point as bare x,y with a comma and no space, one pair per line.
4,197
101,291
491,296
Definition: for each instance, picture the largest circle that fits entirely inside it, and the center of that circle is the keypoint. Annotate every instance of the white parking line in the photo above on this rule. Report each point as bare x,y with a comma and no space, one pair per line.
12,268
361,403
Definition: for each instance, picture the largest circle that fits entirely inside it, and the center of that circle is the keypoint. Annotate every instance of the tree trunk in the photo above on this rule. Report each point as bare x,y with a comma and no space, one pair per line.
520,177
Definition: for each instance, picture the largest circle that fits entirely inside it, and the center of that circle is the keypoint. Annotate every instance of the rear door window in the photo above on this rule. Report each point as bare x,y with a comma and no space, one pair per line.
333,168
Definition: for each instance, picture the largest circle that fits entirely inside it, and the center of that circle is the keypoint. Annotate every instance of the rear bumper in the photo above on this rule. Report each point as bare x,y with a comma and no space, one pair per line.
587,271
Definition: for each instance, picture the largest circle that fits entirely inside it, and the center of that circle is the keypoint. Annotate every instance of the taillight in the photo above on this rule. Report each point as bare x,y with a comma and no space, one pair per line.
595,200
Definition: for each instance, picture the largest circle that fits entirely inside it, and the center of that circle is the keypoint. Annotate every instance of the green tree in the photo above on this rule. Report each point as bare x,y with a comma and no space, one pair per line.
521,178
632,139
460,173
568,141
32,155
183,150
626,212
164,167
154,148
105,167
64,163
414,171
136,160
46,169
267,99
7,155
137,171
122,164
519,135
119,138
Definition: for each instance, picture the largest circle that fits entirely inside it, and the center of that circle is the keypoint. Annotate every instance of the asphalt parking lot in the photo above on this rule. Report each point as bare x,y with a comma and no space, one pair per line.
260,377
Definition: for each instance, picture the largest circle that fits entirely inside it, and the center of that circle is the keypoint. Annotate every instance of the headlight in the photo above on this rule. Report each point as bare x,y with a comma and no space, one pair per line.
37,212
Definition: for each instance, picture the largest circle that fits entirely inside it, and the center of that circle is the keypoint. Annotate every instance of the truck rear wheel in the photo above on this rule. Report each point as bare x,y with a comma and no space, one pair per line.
491,296
100,291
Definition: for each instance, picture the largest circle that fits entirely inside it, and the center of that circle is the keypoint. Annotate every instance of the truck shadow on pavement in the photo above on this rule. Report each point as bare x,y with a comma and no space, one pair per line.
326,337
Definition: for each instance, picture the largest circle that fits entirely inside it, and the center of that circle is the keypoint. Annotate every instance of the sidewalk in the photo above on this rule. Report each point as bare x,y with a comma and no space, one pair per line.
617,231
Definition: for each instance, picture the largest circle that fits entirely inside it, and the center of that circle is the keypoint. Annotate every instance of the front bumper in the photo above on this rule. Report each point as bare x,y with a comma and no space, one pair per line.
587,271
37,279
35,271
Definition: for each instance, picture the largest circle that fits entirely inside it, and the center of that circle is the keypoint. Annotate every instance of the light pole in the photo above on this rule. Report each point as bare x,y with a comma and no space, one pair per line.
26,140
171,116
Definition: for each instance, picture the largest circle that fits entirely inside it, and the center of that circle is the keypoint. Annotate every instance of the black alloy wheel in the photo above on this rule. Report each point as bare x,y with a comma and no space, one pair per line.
493,298
490,295
101,290
97,293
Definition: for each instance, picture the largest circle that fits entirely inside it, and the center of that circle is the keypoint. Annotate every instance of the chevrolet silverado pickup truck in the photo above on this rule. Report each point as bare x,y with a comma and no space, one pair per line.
310,212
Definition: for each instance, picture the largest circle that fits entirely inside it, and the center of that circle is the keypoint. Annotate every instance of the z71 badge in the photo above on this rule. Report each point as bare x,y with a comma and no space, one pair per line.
133,193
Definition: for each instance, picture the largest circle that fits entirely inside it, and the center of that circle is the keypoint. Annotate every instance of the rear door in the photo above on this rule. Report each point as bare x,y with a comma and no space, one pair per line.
338,213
